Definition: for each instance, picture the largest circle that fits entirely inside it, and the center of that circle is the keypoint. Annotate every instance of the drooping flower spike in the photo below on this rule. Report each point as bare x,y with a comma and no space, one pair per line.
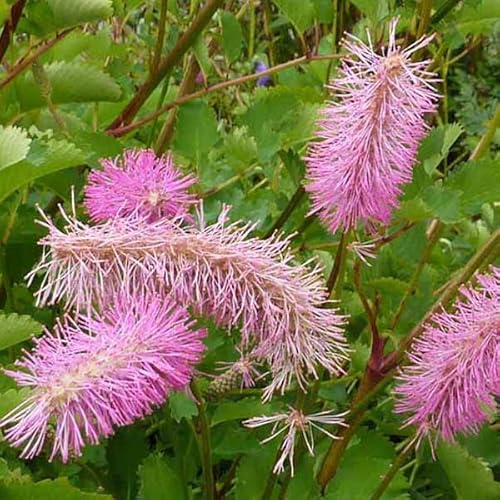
219,270
370,134
99,371
292,423
138,183
450,385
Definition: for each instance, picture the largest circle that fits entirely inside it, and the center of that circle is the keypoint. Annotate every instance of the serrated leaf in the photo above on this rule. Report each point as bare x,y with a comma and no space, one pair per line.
69,82
237,410
48,489
195,130
181,406
15,328
437,145
159,481
479,182
470,477
45,157
67,14
444,202
486,445
14,145
414,210
232,36
299,13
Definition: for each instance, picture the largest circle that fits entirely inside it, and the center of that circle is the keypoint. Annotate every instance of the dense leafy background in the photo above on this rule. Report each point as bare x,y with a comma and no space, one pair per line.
245,144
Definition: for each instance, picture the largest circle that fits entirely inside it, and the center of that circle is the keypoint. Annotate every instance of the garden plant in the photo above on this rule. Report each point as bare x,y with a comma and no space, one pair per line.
249,249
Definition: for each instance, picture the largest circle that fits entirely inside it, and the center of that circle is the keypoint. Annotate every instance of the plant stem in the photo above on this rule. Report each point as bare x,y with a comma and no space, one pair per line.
161,36
435,235
10,26
292,205
266,4
27,61
337,263
389,476
425,16
443,10
203,429
185,41
118,131
484,142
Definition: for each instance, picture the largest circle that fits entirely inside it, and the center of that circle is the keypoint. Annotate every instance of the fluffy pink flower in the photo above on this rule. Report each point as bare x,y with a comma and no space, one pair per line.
138,183
454,371
296,422
100,371
370,135
220,270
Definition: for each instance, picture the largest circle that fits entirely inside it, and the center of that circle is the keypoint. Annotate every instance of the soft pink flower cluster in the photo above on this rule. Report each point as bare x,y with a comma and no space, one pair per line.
370,135
128,345
454,372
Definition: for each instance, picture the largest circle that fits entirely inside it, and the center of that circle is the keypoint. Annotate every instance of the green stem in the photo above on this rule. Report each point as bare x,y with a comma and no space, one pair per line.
425,16
203,429
161,36
338,264
389,476
426,254
485,141
267,30
165,66
292,205
443,10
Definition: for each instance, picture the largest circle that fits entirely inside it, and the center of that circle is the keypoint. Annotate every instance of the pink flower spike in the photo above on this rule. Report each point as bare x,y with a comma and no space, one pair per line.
138,183
454,373
370,134
293,422
97,372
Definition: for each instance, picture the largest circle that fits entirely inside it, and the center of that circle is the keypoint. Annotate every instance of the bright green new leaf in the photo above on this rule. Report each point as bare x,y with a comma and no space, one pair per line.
470,477
15,328
181,406
232,36
14,145
67,14
69,82
159,481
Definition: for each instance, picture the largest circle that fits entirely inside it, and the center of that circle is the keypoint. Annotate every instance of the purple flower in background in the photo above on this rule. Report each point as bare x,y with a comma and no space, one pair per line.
454,371
265,80
138,183
96,372
370,135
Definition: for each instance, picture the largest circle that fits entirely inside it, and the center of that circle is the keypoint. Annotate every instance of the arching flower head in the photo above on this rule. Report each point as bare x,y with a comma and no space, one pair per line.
100,371
292,423
454,373
218,269
138,183
370,134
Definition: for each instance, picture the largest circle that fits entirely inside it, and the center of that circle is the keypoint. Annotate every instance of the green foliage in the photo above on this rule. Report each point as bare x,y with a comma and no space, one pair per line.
232,36
300,14
15,329
159,480
14,145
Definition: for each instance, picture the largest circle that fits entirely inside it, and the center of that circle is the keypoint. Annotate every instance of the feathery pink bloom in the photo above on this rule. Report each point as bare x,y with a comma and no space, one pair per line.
138,183
219,270
100,371
293,422
371,134
454,371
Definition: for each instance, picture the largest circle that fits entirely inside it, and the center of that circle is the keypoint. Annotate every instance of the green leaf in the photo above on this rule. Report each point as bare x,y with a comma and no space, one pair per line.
14,145
67,14
479,182
486,444
299,13
69,82
323,11
253,471
470,477
437,145
444,202
10,399
48,489
159,481
196,130
232,36
368,459
237,410
181,406
45,157
479,19
4,11
414,210
15,328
